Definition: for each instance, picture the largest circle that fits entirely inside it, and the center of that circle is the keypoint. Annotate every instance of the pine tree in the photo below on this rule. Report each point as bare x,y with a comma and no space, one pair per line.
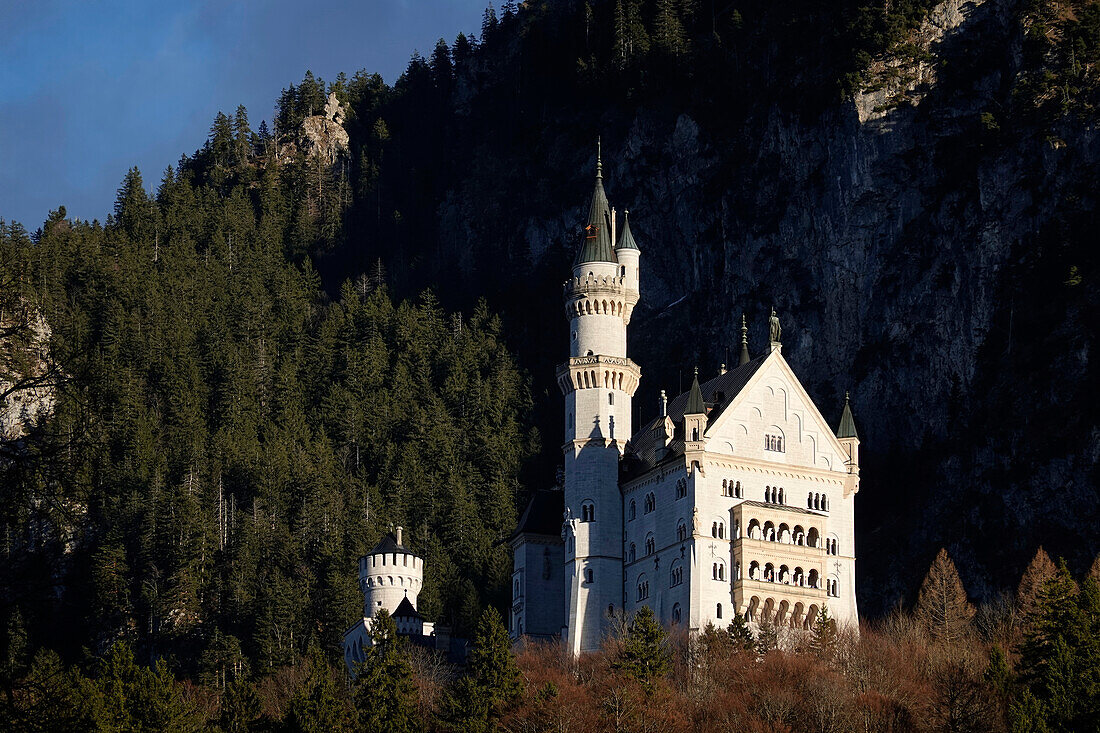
319,704
1038,572
823,634
240,708
645,655
768,638
942,606
384,691
740,634
668,27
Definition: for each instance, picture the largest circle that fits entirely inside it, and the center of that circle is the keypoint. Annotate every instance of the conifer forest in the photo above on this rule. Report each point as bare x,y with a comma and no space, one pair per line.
345,314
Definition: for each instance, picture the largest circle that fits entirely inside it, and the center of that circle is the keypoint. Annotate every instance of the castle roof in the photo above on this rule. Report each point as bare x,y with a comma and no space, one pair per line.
597,245
543,514
716,394
405,610
847,428
389,544
626,239
695,404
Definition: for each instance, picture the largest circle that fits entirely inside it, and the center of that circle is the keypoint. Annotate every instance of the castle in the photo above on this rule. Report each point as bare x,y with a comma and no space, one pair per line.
737,498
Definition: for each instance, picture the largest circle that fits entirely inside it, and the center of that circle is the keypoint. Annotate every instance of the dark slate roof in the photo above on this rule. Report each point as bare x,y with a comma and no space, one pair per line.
597,246
847,427
626,239
695,404
543,514
717,394
405,610
388,544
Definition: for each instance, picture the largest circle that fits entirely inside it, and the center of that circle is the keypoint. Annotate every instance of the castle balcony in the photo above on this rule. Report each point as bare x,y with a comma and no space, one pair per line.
597,371
776,603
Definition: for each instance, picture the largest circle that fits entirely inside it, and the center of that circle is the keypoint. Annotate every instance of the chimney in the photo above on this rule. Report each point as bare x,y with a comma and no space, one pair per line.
397,532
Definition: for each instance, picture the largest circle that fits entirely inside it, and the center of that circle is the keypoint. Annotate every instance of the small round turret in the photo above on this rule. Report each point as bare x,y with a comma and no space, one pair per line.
390,573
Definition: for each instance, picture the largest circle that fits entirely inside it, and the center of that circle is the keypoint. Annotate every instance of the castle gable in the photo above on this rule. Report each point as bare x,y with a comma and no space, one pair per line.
773,419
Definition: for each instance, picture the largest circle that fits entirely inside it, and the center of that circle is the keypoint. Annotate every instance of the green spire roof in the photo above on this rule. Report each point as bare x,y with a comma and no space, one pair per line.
695,404
597,246
626,239
847,427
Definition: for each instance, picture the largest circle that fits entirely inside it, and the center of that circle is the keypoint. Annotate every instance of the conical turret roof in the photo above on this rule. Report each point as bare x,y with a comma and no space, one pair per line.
695,404
597,246
626,239
847,427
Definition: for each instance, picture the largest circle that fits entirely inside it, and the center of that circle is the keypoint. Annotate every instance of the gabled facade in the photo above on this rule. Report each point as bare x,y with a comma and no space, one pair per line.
737,498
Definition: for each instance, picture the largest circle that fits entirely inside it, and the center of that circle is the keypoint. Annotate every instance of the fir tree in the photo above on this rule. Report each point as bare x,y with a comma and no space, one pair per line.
942,606
384,691
768,638
319,704
644,655
740,634
823,634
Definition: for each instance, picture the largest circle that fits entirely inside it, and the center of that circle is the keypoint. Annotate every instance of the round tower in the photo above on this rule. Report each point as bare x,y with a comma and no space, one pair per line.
598,382
390,573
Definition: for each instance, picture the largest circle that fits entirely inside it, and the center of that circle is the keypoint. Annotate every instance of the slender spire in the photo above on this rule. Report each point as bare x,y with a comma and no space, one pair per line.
744,342
695,404
597,246
626,239
847,428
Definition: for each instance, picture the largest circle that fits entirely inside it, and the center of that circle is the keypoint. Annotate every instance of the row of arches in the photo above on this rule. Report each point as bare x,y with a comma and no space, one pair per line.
774,495
590,378
773,443
768,573
820,502
781,613
383,580
783,533
598,307
731,488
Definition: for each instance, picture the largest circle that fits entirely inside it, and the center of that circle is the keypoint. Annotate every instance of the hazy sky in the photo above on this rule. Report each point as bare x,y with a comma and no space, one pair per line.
88,89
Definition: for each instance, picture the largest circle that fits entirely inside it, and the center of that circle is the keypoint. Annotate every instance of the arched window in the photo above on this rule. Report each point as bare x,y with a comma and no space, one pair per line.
515,589
810,500
677,614
812,580
681,532
650,502
632,555
610,398
643,588
588,512
721,530
714,529
610,610
813,538
695,434
754,570
588,575
650,545
737,489
676,574
769,573
633,511
718,611
681,489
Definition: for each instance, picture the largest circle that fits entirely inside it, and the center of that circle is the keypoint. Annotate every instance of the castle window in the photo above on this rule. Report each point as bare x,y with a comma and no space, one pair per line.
633,511
588,576
650,503
632,555
737,489
681,532
714,529
515,592
721,530
610,398
676,575
681,488
588,512
677,614
695,434
643,588
650,545
610,610
773,443
718,611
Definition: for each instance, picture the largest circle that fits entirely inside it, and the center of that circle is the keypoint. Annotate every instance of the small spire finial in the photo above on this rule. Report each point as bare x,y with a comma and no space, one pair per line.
744,358
696,372
599,158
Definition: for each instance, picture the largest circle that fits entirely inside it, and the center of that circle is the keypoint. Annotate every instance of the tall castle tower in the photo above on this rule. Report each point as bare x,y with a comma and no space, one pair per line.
598,382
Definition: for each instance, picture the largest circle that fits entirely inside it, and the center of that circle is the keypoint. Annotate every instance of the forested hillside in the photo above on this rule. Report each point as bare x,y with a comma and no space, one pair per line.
231,385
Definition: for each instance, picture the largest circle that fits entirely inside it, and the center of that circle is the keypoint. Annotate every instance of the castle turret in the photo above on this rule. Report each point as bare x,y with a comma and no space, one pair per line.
848,437
388,574
598,382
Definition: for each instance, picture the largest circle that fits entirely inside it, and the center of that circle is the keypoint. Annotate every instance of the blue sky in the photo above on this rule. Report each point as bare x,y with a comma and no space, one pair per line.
88,89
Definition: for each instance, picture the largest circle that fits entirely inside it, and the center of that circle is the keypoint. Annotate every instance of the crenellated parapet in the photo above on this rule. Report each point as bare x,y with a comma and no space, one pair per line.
598,371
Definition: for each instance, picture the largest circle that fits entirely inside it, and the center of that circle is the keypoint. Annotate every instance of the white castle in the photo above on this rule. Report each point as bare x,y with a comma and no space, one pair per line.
737,498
